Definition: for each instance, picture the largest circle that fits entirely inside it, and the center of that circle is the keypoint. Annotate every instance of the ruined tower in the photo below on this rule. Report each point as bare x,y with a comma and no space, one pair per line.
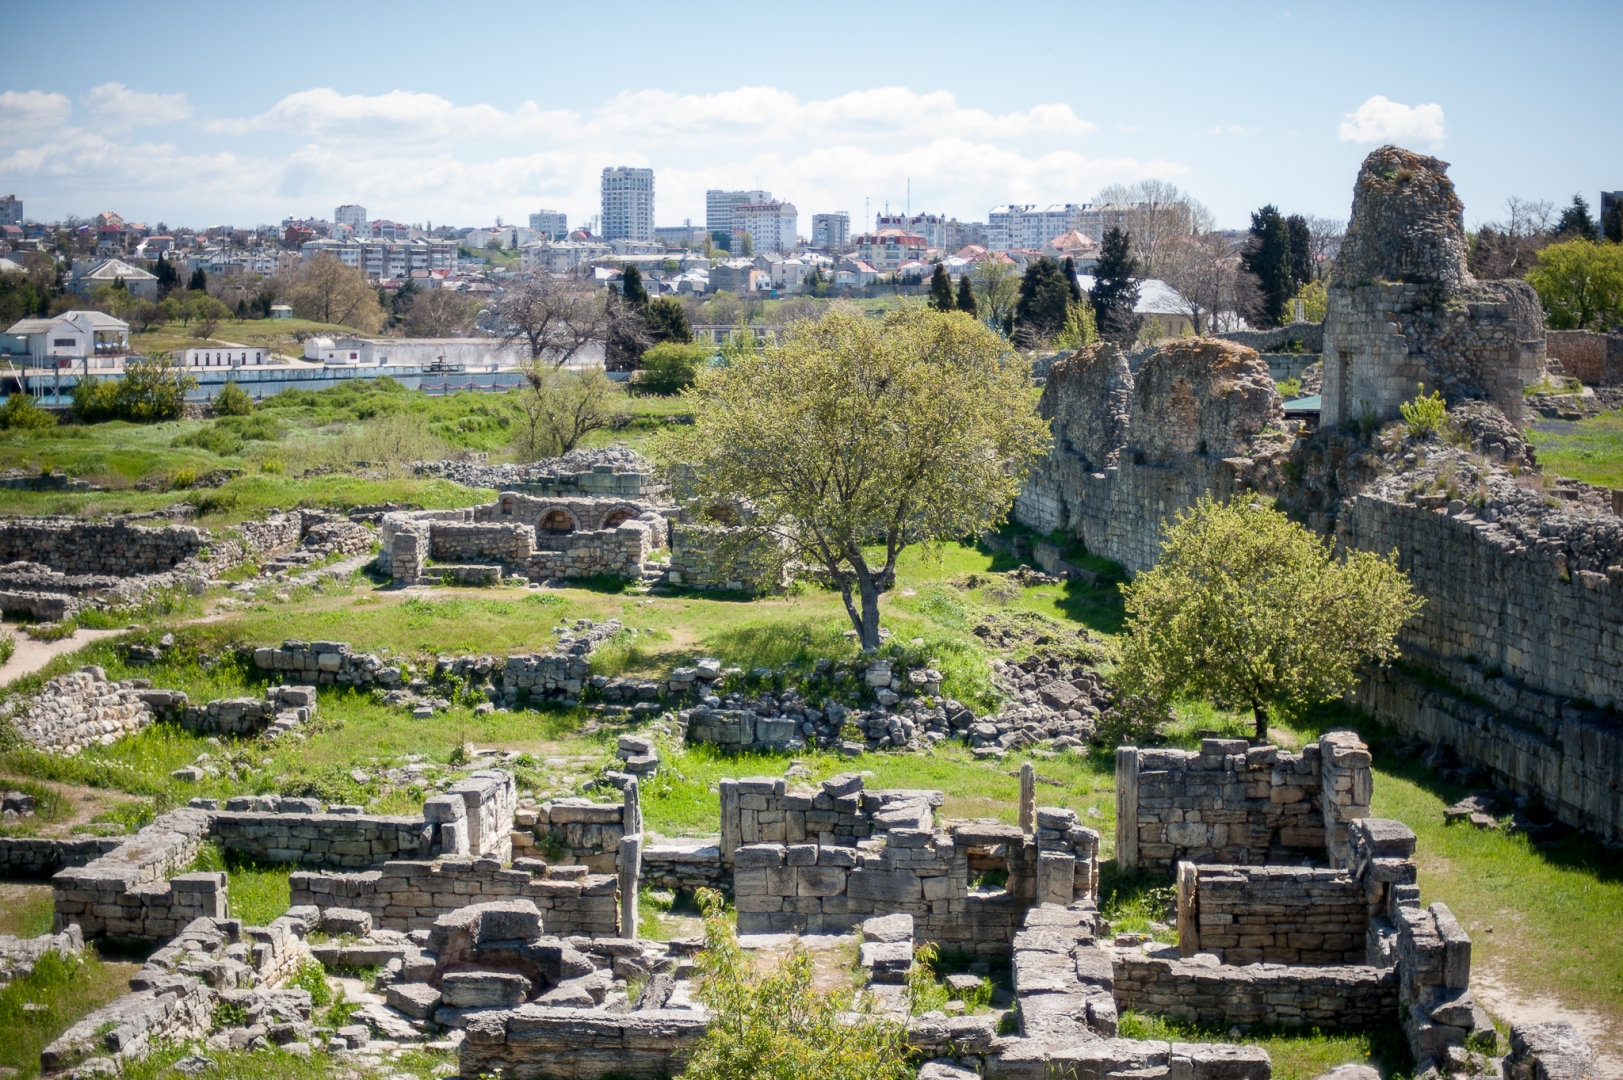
1404,311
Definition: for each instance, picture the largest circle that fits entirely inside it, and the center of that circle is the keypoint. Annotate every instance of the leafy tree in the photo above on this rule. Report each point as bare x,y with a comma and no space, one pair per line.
851,433
966,297
177,308
561,407
1080,329
1580,284
1115,291
776,1025
209,313
327,291
149,391
1300,238
1575,222
19,298
199,281
941,290
22,413
633,291
233,400
1249,609
168,277
817,283
997,286
547,317
1044,301
1267,258
670,367
667,320
746,246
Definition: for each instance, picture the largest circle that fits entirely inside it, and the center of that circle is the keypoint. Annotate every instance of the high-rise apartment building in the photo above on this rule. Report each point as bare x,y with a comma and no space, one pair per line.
831,232
718,212
351,215
628,203
961,234
1031,226
1611,215
553,224
771,227
11,210
933,227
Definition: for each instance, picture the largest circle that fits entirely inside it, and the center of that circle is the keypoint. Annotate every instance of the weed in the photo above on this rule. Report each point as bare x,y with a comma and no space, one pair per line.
312,976
1424,415
924,993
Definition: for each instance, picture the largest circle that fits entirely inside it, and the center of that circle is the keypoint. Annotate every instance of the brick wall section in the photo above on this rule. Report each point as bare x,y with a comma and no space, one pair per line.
1231,802
1277,915
410,895
1357,998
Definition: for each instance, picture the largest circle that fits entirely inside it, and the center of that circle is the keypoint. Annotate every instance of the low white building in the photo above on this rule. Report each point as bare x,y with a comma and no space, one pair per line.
72,335
472,352
222,356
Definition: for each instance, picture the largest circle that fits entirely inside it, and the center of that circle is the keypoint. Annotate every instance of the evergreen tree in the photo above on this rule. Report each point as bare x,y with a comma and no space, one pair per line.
1115,292
1302,268
941,290
164,270
1070,280
667,320
1044,298
1267,258
1575,223
633,290
966,296
199,281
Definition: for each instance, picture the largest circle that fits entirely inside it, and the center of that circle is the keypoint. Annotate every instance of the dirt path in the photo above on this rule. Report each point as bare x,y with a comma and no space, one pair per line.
32,655
1490,986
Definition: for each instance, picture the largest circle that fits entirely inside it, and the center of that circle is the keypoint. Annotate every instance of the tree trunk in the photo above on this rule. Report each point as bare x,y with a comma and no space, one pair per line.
1261,713
868,631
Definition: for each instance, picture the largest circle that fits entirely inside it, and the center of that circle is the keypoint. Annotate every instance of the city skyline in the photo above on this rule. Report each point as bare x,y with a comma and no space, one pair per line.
156,143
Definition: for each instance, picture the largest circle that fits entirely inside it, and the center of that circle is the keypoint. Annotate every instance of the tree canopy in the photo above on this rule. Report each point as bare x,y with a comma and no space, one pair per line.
848,439
1580,284
549,319
966,297
1575,222
1045,298
327,291
1115,291
632,288
1267,258
1251,610
941,290
667,320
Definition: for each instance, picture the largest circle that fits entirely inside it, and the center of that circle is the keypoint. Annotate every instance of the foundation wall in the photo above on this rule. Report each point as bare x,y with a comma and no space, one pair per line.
1271,995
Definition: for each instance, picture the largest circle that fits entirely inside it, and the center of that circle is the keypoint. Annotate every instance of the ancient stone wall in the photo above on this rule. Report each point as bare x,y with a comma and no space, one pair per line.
581,514
410,895
575,832
618,552
1231,802
40,857
75,546
540,1041
698,561
1199,990
286,707
1296,915
126,892
319,839
84,708
1591,358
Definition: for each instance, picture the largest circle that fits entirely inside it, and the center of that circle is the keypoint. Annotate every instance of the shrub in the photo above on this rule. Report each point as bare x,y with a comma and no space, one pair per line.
773,1025
1424,415
184,479
150,390
233,400
19,413
670,367
924,994
8,647
312,976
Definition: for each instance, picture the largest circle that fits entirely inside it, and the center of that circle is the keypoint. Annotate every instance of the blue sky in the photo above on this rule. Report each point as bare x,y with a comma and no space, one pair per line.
457,113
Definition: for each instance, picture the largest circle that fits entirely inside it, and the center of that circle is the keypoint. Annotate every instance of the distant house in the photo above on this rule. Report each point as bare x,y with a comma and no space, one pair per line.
1074,245
281,311
72,335
220,357
87,280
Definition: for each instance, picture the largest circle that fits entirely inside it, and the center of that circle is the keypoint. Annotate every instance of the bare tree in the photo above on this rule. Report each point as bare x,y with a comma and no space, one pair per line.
562,407
1202,271
997,286
550,318
1158,215
439,312
1508,249
1324,236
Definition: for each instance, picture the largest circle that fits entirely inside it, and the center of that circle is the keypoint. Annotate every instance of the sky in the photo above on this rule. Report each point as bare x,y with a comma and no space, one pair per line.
245,114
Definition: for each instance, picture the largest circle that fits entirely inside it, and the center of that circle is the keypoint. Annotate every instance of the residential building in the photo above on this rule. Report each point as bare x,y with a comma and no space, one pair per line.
738,276
216,356
718,212
887,249
1074,245
11,210
508,236
676,236
855,273
1031,226
637,247
561,256
550,224
933,227
281,311
351,215
790,274
628,203
72,335
110,219
831,232
1110,216
962,234
384,229
386,260
771,227
86,277
1611,215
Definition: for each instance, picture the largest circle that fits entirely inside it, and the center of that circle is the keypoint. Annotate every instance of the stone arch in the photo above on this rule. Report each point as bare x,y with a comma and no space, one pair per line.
557,521
722,514
619,516
508,505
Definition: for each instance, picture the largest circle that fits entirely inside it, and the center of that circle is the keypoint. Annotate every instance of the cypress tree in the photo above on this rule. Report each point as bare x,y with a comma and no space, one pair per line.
941,290
164,270
1070,279
199,281
1044,299
1302,268
1115,292
633,290
1267,257
667,320
966,297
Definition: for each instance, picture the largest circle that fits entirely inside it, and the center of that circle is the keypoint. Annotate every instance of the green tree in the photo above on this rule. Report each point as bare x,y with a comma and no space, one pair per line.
1250,610
1044,300
199,281
1575,222
233,400
670,367
1580,284
1300,239
327,291
561,407
966,297
1267,258
997,288
1115,289
774,1024
22,413
941,290
150,390
168,277
19,298
1080,329
1069,269
667,320
632,288
849,433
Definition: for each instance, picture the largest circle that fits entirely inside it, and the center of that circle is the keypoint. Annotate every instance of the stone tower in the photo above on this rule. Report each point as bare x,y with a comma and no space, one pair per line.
1405,312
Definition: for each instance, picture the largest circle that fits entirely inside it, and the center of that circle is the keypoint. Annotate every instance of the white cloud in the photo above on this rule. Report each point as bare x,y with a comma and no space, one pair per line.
1379,120
28,114
119,106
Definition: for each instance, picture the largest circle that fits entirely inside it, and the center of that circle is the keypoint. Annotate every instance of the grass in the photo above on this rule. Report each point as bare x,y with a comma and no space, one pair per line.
27,912
258,894
276,1064
279,335
68,988
1296,1055
1589,450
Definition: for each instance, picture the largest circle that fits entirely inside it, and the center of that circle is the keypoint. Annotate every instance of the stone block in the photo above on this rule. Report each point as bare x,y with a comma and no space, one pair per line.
483,989
888,928
338,921
417,1000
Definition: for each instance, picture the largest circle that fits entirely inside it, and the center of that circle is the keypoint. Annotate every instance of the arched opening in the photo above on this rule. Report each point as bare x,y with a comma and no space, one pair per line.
618,517
507,506
722,514
556,522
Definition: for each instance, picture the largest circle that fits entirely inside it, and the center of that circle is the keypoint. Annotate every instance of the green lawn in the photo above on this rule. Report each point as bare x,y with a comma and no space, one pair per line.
1588,450
68,989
